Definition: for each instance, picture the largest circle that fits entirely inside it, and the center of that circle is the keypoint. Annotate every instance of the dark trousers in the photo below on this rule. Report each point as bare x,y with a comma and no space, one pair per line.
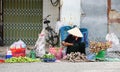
76,48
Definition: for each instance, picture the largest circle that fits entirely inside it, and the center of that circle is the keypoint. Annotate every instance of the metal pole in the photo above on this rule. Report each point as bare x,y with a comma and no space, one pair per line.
1,24
59,10
108,10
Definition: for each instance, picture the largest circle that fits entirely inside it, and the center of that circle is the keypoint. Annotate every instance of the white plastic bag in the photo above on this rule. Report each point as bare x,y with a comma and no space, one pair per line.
40,50
111,37
40,44
21,43
18,44
114,48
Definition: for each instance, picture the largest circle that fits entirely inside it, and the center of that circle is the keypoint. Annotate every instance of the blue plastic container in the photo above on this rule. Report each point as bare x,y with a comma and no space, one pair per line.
85,36
63,32
8,56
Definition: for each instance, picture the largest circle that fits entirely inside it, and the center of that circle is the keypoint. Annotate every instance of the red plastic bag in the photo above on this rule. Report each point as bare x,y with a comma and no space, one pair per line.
57,52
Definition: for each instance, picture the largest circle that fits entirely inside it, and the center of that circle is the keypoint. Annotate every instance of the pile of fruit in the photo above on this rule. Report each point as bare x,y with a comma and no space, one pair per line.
21,60
95,47
75,57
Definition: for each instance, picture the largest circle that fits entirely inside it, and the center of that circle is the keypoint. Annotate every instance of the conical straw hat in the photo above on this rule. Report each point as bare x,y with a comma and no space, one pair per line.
75,31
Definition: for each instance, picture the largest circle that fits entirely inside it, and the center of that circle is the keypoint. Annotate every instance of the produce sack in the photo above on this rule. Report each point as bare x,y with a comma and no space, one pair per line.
40,44
57,52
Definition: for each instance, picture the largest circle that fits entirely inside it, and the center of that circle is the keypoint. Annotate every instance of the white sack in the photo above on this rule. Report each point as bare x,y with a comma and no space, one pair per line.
40,44
111,37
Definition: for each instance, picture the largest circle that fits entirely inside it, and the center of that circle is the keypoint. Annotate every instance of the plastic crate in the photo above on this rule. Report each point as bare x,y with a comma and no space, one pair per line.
18,52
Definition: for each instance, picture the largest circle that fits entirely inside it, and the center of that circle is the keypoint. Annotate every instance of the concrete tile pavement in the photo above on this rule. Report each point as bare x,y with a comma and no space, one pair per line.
61,67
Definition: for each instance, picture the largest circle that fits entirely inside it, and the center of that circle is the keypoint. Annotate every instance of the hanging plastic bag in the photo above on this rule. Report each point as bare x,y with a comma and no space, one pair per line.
40,44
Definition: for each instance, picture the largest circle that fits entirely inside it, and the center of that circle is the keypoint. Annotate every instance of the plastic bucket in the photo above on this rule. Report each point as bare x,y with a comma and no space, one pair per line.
101,55
9,54
85,36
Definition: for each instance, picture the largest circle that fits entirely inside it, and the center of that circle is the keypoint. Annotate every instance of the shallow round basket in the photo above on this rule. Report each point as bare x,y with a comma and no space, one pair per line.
49,60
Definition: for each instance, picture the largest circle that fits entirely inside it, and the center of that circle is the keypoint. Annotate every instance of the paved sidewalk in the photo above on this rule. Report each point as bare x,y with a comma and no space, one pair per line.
61,67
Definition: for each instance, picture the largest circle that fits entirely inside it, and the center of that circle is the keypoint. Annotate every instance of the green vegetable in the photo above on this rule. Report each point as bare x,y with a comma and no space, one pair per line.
49,56
21,60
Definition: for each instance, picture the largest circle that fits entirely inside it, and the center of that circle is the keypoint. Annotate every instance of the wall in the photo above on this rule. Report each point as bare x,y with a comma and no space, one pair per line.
70,12
116,5
95,19
115,27
48,9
